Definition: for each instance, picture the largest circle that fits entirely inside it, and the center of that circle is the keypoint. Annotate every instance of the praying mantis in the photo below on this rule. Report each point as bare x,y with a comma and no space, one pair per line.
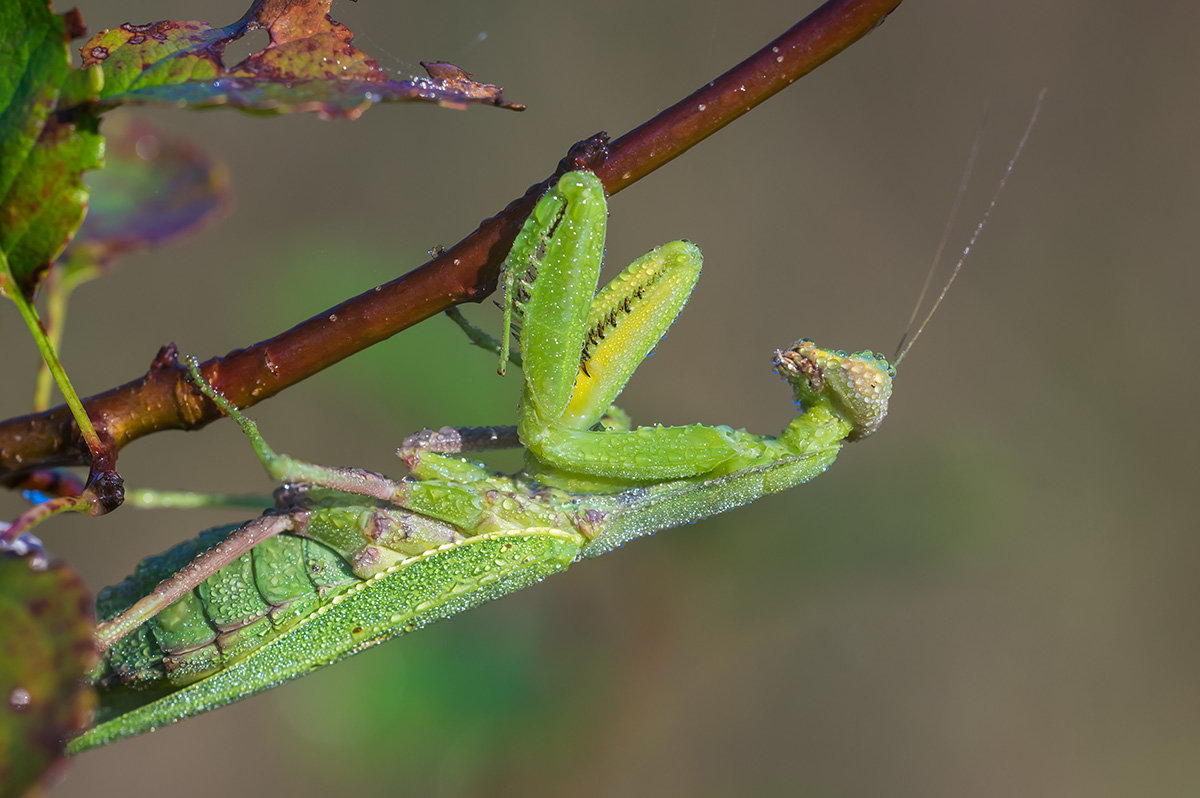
350,558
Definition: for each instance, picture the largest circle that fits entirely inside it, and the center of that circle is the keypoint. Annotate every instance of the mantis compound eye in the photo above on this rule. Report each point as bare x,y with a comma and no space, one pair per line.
858,386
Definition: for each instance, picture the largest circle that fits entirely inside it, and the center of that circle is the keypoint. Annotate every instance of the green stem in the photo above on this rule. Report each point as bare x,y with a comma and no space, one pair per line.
50,356
148,499
60,282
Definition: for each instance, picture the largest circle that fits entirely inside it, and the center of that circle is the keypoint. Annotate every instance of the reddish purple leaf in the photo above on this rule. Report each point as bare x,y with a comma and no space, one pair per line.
155,186
309,65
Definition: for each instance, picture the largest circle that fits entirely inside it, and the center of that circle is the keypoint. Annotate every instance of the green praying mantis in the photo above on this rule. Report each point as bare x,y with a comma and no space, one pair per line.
350,558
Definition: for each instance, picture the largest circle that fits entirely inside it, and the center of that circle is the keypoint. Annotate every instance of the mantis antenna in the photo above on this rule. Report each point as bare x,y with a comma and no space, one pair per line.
905,341
963,182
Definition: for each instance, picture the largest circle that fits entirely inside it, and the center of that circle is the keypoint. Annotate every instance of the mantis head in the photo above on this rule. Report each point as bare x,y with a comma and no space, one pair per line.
857,387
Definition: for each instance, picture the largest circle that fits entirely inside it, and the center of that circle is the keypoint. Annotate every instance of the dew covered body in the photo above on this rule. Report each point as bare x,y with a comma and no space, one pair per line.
364,558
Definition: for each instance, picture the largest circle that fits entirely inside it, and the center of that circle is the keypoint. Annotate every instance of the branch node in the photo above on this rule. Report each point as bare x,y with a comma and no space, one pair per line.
588,154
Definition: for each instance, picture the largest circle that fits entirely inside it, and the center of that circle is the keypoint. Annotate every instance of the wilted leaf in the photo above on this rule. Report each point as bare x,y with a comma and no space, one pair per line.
42,154
309,65
45,650
155,186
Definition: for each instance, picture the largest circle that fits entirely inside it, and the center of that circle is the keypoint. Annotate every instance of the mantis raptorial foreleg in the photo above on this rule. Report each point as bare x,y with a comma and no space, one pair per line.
581,346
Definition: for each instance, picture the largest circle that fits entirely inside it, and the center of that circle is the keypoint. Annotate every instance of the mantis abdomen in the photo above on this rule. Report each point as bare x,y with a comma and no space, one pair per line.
236,610
336,614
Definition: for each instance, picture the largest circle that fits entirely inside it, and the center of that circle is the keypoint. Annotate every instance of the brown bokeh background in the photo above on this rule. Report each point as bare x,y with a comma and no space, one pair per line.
994,596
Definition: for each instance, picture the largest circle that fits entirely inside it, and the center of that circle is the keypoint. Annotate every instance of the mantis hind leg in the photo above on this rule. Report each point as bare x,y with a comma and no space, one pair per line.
240,541
285,469
450,498
282,468
486,342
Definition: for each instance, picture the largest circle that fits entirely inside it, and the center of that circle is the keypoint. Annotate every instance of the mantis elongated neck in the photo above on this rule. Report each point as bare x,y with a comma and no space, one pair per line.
819,427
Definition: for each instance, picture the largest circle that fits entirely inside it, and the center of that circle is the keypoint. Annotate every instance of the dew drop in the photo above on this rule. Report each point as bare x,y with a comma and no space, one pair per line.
20,699
147,147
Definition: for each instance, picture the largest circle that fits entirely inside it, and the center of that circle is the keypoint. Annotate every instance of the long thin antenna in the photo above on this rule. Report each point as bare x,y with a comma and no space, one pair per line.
978,229
963,181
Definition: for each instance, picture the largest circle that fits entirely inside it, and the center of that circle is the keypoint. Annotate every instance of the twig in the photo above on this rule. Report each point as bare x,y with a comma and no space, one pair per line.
162,398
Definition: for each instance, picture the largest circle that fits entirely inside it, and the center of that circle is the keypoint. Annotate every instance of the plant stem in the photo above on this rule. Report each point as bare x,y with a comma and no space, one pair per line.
58,286
50,358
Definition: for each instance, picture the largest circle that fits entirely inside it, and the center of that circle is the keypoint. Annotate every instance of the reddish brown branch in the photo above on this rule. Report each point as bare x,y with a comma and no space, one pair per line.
162,399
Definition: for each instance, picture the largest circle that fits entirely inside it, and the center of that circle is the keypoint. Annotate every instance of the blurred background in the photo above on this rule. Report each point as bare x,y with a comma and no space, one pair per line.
993,596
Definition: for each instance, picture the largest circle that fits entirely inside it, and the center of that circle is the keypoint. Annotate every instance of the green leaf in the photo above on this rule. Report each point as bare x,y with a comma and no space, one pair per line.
45,650
42,152
309,65
45,206
155,186
34,54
